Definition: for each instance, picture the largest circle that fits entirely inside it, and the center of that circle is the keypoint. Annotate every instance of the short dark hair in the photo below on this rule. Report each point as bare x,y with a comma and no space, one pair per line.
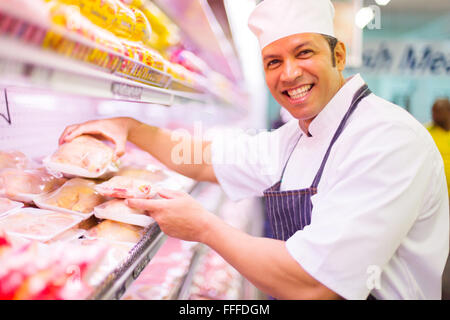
332,42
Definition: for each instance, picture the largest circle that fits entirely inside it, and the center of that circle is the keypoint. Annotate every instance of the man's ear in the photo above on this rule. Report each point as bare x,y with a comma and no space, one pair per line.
340,54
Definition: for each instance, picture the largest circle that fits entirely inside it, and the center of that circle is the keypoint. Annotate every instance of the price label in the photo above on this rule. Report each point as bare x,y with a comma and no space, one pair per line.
126,90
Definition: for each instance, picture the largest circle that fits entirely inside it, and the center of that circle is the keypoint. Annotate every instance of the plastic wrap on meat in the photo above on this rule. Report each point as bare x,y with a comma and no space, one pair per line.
7,206
77,195
40,272
116,231
38,224
13,159
117,210
84,156
23,184
152,176
126,187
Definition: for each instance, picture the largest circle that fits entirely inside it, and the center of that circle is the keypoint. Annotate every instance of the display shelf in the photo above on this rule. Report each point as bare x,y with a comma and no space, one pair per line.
116,283
120,279
23,65
37,54
212,200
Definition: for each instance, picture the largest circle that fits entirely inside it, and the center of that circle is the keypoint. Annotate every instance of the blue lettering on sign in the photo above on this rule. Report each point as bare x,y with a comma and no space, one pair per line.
380,59
428,60
411,60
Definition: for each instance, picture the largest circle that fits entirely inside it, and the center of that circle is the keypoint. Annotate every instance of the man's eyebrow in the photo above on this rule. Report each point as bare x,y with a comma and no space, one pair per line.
307,43
272,56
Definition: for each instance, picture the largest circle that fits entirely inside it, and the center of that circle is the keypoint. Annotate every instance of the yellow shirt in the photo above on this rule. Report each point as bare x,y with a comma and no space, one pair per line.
442,139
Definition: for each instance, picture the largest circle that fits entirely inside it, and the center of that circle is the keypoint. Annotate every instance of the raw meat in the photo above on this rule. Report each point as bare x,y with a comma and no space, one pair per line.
14,182
13,159
116,231
85,152
38,224
125,187
117,210
77,195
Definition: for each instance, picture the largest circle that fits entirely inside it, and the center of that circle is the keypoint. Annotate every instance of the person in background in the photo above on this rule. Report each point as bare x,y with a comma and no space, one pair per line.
440,131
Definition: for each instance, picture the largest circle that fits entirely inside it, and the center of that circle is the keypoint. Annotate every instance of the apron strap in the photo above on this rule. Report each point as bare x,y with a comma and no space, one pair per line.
363,92
290,154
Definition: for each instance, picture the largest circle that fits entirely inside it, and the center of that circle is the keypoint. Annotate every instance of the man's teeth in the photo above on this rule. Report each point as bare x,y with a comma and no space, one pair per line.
299,92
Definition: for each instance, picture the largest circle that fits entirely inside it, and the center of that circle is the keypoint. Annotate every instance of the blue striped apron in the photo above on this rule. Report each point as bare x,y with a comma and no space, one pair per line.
290,211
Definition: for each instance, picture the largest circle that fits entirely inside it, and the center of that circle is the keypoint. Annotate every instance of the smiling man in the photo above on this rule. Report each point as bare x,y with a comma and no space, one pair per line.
358,201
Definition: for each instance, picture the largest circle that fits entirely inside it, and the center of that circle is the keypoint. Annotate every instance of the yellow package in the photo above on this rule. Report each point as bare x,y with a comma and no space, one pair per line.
142,30
167,33
125,22
101,12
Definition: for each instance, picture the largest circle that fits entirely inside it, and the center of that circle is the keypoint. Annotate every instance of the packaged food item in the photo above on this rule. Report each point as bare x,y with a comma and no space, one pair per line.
36,271
70,18
69,235
38,224
115,254
13,159
190,61
84,156
24,185
103,13
164,32
8,206
125,23
151,174
126,187
76,196
116,231
117,210
163,276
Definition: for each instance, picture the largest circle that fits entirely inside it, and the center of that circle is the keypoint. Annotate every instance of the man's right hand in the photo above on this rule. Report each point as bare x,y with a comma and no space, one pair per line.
115,130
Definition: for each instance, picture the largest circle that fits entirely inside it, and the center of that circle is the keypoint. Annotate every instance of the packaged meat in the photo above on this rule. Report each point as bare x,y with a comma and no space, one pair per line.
163,276
69,235
117,210
25,184
84,156
115,254
13,159
38,224
116,231
8,206
152,174
76,196
35,271
126,187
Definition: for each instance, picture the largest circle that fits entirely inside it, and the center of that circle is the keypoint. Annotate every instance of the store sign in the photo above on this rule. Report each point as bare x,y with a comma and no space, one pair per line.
407,58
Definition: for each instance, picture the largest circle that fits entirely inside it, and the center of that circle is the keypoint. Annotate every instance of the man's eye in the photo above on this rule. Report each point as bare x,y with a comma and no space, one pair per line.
273,62
304,53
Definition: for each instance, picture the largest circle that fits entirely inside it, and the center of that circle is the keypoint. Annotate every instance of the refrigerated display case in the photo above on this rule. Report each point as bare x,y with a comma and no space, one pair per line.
56,70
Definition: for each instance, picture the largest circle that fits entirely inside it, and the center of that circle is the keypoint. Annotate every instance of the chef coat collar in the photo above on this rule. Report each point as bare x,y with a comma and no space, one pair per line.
327,121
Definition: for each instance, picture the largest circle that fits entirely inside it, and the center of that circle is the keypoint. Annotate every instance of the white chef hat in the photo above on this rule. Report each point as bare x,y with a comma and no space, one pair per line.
275,19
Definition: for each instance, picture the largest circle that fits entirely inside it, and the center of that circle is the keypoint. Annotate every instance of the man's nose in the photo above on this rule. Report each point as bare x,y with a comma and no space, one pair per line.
291,71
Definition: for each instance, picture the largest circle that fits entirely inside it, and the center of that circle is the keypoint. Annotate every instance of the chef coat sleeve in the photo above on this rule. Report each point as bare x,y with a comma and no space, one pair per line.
374,195
247,164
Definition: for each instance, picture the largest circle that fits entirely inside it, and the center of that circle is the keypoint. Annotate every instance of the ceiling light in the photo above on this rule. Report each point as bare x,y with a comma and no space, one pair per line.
363,17
382,2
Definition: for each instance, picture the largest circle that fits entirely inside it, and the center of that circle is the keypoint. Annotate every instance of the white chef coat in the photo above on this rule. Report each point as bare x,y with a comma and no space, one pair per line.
380,218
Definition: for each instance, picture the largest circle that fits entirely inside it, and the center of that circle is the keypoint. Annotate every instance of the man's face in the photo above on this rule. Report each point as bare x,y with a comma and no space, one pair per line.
300,73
